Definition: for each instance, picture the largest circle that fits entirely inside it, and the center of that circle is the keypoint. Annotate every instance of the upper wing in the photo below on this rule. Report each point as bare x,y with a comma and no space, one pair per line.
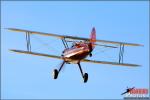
72,37
110,63
34,32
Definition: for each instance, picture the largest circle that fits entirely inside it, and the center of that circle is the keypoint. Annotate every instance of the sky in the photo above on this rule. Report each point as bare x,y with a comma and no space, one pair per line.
30,77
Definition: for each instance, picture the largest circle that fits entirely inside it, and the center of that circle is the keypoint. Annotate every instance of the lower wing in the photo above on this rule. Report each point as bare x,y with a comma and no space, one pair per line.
36,54
84,60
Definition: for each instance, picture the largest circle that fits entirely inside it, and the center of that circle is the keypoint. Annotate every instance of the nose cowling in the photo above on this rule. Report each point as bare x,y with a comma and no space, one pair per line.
63,53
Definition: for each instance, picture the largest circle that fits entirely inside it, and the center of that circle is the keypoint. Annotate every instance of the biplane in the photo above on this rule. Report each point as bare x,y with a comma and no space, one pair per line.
78,52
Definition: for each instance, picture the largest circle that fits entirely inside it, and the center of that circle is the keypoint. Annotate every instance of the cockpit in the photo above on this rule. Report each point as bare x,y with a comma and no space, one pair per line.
77,44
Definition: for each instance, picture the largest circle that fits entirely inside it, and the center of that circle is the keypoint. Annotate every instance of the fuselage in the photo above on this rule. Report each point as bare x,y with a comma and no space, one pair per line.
77,52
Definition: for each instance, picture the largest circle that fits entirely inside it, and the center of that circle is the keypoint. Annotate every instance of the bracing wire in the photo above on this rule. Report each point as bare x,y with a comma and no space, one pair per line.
48,46
103,50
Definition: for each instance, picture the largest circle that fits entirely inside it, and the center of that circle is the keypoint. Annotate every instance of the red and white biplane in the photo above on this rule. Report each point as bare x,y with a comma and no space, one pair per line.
78,51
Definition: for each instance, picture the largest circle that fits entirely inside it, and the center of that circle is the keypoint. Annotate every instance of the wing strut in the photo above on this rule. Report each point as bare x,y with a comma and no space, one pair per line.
28,41
121,52
64,43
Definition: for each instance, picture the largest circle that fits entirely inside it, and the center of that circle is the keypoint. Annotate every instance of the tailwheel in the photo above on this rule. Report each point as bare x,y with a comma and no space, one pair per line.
55,73
90,54
85,77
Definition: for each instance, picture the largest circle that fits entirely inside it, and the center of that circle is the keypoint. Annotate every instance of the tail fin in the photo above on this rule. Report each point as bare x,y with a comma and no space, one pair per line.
93,37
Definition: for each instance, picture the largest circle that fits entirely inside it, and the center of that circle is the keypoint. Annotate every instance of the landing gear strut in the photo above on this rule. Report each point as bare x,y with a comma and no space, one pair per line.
56,72
85,76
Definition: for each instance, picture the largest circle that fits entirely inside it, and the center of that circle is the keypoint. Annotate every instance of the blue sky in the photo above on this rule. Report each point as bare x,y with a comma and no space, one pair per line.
30,77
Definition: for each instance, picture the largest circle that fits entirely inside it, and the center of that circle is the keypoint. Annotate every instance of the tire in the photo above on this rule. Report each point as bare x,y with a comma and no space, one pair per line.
85,77
55,73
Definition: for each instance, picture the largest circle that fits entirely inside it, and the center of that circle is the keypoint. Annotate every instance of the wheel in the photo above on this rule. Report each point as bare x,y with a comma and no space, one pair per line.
55,73
85,77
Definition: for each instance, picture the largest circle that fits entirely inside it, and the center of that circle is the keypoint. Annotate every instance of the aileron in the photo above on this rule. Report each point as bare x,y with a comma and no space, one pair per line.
110,63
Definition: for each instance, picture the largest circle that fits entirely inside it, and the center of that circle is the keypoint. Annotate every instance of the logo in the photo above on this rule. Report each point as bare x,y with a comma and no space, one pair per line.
136,93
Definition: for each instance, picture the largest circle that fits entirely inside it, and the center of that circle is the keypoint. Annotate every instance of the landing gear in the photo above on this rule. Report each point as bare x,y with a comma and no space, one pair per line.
85,76
55,73
90,54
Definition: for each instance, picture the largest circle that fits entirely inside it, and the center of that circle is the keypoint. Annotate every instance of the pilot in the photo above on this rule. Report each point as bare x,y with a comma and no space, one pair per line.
77,45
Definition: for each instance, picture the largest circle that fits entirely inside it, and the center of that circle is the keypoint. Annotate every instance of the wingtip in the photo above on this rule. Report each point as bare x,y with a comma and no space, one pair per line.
10,29
12,50
13,29
141,45
138,45
137,65
6,28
